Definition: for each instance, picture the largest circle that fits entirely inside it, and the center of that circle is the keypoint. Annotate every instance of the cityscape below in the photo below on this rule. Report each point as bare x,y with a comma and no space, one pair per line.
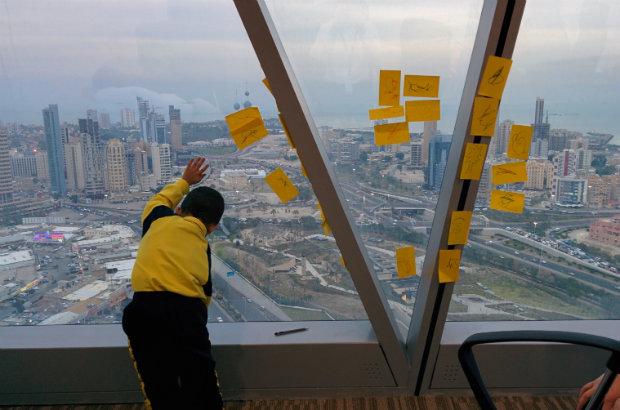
72,193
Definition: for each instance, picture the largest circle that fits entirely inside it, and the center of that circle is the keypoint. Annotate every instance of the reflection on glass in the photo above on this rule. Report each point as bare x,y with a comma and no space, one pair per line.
559,259
337,50
129,98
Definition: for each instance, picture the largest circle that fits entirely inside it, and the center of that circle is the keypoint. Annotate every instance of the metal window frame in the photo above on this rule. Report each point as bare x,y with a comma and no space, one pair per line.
497,35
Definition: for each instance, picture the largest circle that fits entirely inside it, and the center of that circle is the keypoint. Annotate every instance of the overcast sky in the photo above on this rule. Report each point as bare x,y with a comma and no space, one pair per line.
195,54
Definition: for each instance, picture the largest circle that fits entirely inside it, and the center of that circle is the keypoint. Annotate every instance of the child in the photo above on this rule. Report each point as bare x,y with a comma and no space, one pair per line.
166,321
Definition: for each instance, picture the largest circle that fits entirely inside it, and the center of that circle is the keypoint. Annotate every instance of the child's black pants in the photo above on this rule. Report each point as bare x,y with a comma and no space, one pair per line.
169,341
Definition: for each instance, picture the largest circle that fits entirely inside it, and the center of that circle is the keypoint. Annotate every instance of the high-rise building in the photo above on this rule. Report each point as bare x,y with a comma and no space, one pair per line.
416,155
584,158
541,129
104,120
162,167
346,150
176,125
92,159
75,165
51,124
539,148
430,131
91,114
117,167
503,137
143,111
24,166
564,165
438,149
571,190
539,174
128,118
65,135
486,183
560,139
6,176
158,128
42,165
12,127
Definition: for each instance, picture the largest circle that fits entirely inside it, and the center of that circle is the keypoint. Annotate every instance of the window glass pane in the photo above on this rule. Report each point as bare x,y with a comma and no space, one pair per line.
337,49
559,259
126,69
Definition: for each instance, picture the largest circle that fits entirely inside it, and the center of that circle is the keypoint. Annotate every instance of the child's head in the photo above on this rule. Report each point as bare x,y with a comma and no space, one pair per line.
206,204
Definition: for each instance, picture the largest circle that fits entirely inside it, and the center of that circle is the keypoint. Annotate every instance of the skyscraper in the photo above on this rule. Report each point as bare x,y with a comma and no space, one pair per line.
75,164
51,124
143,111
6,176
117,167
175,127
416,155
158,128
92,159
430,130
438,149
65,134
104,120
128,118
91,114
160,154
541,129
504,136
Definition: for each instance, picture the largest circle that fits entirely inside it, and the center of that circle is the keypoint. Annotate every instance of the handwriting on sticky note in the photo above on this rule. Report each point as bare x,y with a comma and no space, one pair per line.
485,114
509,173
473,161
267,85
248,124
286,132
389,87
405,262
236,119
281,185
246,138
421,86
388,112
396,133
424,110
459,228
495,76
519,142
507,201
449,262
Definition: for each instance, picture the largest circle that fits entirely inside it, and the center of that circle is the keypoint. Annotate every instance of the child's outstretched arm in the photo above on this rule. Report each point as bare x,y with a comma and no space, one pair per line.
171,195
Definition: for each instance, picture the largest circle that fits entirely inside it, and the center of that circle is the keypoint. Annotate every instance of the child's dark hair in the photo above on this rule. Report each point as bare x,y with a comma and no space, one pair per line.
204,203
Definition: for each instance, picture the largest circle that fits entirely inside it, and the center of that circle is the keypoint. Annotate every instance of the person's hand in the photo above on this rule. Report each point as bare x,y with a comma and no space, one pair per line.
612,399
194,173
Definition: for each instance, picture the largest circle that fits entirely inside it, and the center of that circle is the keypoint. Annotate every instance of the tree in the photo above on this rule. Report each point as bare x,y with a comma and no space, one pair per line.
74,199
273,211
387,158
305,193
249,211
400,167
55,195
363,156
295,212
400,155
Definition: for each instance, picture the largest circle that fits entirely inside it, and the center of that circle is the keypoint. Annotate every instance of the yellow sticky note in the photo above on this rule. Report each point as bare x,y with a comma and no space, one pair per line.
509,173
485,114
303,171
396,133
267,85
520,141
236,119
424,110
495,76
318,206
388,112
405,262
389,87
459,228
247,125
281,185
342,260
507,201
421,86
246,138
449,261
326,229
285,128
473,161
